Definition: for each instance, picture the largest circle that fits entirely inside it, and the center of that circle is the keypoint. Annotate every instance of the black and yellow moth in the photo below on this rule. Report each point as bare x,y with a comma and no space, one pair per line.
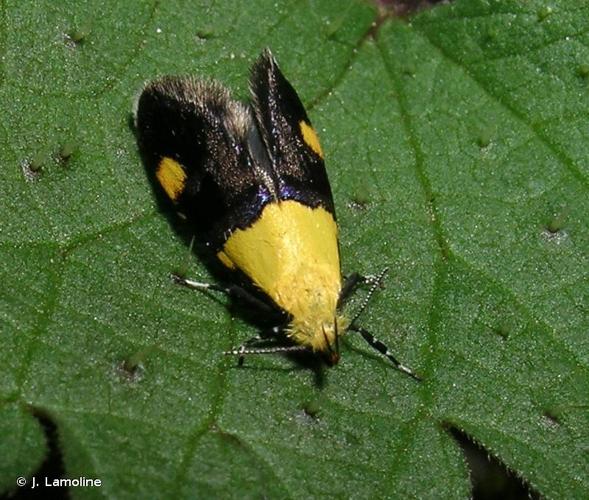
252,181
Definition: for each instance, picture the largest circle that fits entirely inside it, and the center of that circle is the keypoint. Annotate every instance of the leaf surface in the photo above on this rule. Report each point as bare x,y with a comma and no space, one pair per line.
457,149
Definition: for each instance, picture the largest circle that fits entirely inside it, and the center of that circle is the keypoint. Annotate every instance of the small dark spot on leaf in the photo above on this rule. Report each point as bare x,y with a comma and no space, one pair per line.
360,197
77,36
356,204
32,168
484,136
205,33
331,28
551,419
131,369
38,161
583,70
544,12
555,224
502,329
230,439
409,69
66,151
312,409
491,34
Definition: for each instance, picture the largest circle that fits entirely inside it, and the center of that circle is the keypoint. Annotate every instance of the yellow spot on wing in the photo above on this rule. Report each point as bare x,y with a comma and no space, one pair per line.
310,137
171,176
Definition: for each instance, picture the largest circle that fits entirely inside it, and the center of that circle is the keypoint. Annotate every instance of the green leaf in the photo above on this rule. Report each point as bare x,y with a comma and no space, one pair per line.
457,148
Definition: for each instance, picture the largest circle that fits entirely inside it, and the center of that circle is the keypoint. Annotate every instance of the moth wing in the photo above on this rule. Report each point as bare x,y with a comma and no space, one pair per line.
290,141
195,139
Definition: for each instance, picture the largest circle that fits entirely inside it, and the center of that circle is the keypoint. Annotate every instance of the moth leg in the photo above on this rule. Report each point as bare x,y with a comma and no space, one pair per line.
233,291
384,350
351,282
354,280
244,350
248,347
243,347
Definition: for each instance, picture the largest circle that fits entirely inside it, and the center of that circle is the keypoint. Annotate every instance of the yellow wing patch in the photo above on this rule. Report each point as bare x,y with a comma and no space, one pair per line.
291,253
310,137
171,177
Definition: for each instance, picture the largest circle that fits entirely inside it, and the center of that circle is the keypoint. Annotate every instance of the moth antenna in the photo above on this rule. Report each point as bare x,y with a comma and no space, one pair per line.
384,350
241,351
376,282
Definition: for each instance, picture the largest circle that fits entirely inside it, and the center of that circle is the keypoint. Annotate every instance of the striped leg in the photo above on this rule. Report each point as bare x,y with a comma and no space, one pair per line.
239,351
243,350
271,336
384,350
233,291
